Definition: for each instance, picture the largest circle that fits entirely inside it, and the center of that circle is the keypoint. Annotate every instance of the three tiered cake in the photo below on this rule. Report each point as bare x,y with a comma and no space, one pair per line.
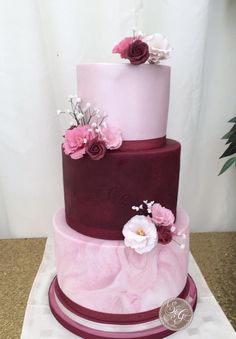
121,243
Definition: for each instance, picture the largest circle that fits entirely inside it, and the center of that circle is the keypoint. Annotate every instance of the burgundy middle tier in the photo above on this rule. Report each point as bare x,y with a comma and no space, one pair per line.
99,195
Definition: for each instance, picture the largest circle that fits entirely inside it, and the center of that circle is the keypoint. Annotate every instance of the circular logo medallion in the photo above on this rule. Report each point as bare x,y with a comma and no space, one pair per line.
176,314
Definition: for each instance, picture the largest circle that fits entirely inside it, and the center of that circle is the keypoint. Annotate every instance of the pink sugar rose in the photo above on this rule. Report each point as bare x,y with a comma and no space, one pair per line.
122,47
161,215
112,137
75,139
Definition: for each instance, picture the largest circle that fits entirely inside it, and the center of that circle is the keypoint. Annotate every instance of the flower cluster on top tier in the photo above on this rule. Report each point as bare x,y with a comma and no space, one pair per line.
89,133
155,225
141,48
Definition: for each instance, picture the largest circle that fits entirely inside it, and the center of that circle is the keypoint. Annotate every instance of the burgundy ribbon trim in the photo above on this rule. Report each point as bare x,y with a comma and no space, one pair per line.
142,145
133,318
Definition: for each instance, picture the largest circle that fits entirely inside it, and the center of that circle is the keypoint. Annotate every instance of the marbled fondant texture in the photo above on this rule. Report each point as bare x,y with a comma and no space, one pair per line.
106,276
136,98
99,194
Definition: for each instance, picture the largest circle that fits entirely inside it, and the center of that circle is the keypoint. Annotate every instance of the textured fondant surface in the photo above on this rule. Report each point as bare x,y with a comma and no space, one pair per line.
136,98
99,194
106,276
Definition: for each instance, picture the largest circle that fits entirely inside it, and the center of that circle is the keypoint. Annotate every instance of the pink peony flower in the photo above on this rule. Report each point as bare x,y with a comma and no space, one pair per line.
122,47
140,234
75,140
112,137
138,52
96,149
161,215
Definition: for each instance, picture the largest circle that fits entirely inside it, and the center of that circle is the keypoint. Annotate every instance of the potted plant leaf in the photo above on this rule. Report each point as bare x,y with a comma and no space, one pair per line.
231,149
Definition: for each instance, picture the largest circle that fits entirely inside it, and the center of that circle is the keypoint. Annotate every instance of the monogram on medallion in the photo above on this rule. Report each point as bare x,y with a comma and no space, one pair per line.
176,314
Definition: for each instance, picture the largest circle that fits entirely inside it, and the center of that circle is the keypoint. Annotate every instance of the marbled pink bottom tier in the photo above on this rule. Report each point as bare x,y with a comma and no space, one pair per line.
106,276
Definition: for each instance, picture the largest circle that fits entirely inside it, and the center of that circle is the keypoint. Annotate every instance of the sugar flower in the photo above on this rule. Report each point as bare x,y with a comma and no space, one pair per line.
164,234
141,48
96,149
159,47
162,216
122,47
89,134
138,52
75,139
140,234
112,137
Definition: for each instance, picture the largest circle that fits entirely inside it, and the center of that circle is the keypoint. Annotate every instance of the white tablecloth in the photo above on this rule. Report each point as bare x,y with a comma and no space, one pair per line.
209,320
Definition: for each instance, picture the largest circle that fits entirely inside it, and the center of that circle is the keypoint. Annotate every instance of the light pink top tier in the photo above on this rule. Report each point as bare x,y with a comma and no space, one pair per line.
136,98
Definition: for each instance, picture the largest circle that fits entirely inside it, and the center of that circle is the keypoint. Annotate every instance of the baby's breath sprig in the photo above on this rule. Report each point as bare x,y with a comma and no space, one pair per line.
83,114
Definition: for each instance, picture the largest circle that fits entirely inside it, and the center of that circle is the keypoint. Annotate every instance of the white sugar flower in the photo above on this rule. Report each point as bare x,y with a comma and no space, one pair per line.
159,47
140,234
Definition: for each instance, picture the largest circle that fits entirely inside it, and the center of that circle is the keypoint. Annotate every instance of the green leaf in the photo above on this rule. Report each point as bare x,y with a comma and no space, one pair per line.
232,131
227,135
230,150
228,163
232,139
232,120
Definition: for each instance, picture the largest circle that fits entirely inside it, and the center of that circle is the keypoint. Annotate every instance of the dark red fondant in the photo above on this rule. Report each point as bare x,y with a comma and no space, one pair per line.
99,194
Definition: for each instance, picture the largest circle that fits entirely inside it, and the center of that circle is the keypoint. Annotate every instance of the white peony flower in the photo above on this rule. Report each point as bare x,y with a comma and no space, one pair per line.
159,47
140,234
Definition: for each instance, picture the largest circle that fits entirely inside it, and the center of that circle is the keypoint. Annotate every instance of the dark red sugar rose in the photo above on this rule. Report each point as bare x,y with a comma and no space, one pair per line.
138,52
96,149
164,234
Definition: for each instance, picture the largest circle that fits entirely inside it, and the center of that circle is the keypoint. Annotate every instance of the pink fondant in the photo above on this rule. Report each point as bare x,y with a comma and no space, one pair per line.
106,276
136,98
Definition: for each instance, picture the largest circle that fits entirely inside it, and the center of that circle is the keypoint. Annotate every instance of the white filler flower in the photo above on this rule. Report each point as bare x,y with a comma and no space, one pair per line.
159,47
140,234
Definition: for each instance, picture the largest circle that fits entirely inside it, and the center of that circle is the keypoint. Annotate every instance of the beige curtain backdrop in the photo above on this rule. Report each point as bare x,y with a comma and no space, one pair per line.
41,43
